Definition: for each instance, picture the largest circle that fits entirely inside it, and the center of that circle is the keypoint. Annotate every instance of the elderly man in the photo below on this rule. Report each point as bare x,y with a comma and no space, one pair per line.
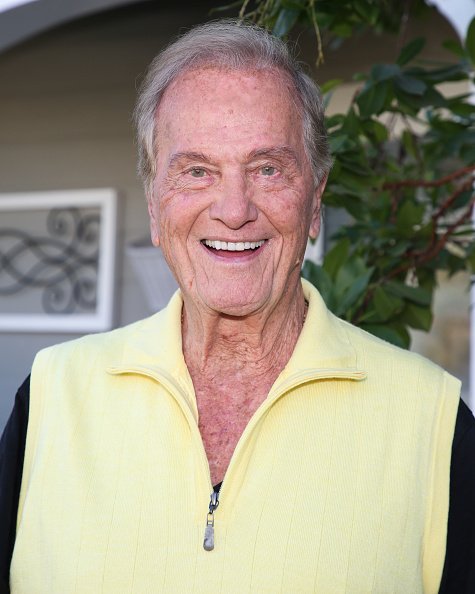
243,439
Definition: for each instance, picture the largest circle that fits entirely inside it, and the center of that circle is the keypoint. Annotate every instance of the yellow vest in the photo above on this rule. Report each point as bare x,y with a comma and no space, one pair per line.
339,483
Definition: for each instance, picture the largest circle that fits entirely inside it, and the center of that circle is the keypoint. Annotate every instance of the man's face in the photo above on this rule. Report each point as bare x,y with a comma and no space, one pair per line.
233,198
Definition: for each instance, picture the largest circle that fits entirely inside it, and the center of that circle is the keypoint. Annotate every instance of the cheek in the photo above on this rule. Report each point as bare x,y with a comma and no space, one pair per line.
168,229
290,215
177,215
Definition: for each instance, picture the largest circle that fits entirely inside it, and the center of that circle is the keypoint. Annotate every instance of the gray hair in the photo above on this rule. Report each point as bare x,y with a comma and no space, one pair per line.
231,45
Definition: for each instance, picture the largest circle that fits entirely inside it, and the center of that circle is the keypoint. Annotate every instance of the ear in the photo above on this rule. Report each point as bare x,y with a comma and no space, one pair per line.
317,209
154,224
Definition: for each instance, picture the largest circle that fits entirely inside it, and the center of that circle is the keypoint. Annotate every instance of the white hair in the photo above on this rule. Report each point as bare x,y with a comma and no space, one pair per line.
231,45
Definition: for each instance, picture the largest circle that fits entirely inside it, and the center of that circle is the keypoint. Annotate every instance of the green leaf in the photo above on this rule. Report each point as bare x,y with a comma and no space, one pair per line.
460,108
470,41
463,199
385,304
471,261
351,124
409,215
410,51
409,143
400,248
226,7
336,257
365,10
354,292
293,5
453,72
329,85
382,72
334,121
455,47
372,99
377,130
431,98
410,85
354,165
395,336
415,294
348,272
417,317
337,142
320,279
339,198
360,77
342,194
343,30
285,21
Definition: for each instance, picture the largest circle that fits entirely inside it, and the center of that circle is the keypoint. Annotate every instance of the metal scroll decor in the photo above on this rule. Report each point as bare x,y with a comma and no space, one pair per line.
62,263
57,260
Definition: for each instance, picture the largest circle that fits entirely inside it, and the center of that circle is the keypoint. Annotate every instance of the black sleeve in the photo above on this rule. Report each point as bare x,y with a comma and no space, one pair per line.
459,568
12,451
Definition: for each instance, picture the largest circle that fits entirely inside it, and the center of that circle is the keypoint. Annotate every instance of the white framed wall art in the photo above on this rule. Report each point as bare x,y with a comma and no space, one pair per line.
57,260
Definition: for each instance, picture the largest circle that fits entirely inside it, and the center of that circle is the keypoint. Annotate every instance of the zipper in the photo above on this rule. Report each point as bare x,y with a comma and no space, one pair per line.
208,541
175,390
292,382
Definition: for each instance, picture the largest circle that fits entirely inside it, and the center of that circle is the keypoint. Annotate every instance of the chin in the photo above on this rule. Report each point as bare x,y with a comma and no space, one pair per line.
238,305
233,309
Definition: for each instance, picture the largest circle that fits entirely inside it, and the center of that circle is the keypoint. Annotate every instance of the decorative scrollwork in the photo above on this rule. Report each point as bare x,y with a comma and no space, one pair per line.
64,265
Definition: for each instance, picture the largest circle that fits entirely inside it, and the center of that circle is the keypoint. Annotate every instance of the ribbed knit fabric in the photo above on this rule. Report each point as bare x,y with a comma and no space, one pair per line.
339,483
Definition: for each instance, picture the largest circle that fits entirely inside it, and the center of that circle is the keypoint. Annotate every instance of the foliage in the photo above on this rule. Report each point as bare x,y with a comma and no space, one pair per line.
404,159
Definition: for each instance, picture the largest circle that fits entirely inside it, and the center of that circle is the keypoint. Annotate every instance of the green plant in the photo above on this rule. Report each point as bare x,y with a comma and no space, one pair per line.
403,170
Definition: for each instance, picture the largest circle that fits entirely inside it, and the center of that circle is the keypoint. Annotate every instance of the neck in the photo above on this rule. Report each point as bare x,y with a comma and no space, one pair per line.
258,344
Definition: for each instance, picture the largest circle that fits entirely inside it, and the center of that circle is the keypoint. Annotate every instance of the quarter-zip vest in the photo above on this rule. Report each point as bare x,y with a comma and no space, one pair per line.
339,483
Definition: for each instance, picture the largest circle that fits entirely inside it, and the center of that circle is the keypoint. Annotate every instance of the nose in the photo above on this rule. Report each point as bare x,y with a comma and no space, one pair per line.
233,204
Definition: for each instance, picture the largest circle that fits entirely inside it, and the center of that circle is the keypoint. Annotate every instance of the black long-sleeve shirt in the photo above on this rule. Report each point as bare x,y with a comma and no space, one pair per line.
459,568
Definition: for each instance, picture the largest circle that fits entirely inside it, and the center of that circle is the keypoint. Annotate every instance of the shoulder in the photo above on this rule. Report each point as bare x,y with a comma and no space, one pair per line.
146,342
99,348
363,341
380,358
145,335
406,381
352,346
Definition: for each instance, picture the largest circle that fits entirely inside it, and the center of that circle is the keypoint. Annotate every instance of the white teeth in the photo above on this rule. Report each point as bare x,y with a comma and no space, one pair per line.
232,246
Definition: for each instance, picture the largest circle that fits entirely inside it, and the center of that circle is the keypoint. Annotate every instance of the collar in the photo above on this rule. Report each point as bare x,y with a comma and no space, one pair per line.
323,345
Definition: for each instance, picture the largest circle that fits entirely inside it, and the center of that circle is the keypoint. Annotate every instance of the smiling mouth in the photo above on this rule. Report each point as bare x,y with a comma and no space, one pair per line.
230,246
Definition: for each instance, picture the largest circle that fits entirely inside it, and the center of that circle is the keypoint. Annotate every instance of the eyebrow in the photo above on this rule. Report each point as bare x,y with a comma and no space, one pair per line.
285,153
187,156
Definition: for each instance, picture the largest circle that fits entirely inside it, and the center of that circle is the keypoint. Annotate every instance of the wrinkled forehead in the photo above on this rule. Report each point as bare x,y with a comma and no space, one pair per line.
194,85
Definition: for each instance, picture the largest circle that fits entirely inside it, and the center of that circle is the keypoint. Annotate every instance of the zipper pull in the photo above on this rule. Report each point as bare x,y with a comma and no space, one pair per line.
208,542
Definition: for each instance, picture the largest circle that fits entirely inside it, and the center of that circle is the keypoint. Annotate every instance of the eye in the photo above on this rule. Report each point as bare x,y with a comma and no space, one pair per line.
268,170
197,172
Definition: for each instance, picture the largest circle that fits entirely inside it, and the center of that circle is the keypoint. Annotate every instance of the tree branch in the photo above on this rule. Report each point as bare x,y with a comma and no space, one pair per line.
415,259
451,199
414,183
